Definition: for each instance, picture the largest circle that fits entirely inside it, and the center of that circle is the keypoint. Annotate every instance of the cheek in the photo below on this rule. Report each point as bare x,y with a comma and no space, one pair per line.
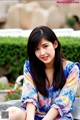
37,54
53,53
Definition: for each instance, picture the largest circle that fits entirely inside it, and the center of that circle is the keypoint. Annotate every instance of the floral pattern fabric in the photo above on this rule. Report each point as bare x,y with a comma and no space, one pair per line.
61,99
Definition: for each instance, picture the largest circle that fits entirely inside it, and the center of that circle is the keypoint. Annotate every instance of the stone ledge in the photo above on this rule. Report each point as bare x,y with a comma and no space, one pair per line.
5,105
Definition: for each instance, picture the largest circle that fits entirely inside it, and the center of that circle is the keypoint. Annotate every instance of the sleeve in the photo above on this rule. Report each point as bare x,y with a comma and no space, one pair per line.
64,102
29,92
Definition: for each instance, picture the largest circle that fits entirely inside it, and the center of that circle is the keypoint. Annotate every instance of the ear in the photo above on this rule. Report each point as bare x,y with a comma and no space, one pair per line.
55,44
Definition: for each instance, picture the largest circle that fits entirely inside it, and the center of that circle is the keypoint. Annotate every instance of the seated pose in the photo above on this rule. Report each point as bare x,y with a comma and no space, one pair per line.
50,80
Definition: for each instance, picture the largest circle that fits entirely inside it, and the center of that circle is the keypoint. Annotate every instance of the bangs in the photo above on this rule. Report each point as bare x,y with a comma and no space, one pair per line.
37,39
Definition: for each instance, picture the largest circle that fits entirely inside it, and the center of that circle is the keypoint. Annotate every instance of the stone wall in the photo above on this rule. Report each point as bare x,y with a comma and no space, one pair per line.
27,14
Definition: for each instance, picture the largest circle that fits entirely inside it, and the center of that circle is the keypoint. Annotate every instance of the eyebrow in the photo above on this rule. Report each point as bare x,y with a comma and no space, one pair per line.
44,44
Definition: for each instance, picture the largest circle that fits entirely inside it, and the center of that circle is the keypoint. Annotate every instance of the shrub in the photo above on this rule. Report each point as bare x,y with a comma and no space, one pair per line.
71,21
71,48
13,54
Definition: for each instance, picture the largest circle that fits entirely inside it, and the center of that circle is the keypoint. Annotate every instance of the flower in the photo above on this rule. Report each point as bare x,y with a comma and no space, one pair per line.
13,95
10,84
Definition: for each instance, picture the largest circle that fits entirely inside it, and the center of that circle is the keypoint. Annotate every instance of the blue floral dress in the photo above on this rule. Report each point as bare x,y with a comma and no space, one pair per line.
61,99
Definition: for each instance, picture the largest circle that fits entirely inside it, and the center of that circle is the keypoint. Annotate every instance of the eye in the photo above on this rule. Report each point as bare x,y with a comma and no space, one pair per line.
36,49
45,46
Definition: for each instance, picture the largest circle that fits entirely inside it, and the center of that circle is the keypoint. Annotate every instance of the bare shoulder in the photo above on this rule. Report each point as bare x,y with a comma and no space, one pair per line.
65,62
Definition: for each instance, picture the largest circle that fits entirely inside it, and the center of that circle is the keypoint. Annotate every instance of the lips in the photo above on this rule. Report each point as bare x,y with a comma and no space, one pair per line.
45,58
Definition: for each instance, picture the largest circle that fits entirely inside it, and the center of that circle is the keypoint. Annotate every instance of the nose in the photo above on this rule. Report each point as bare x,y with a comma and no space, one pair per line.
42,52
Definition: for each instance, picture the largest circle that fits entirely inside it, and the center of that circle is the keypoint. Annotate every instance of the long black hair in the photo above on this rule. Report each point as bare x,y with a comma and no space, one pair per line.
37,67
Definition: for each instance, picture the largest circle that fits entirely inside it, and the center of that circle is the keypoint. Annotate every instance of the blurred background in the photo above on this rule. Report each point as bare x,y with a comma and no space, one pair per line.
27,14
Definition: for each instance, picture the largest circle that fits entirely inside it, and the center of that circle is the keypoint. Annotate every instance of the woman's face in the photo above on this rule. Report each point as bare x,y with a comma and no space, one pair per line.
45,51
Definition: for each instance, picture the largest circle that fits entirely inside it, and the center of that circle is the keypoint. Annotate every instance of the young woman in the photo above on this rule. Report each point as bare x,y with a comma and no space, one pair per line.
50,81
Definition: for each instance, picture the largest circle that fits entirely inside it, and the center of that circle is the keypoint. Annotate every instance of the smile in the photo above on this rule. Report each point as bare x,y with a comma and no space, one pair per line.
45,58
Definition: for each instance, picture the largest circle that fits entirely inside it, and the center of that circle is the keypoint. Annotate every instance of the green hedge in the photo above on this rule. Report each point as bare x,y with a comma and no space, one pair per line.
13,54
71,48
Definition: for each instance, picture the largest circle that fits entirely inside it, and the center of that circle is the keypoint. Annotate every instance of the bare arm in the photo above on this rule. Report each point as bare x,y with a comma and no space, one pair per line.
51,115
30,109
